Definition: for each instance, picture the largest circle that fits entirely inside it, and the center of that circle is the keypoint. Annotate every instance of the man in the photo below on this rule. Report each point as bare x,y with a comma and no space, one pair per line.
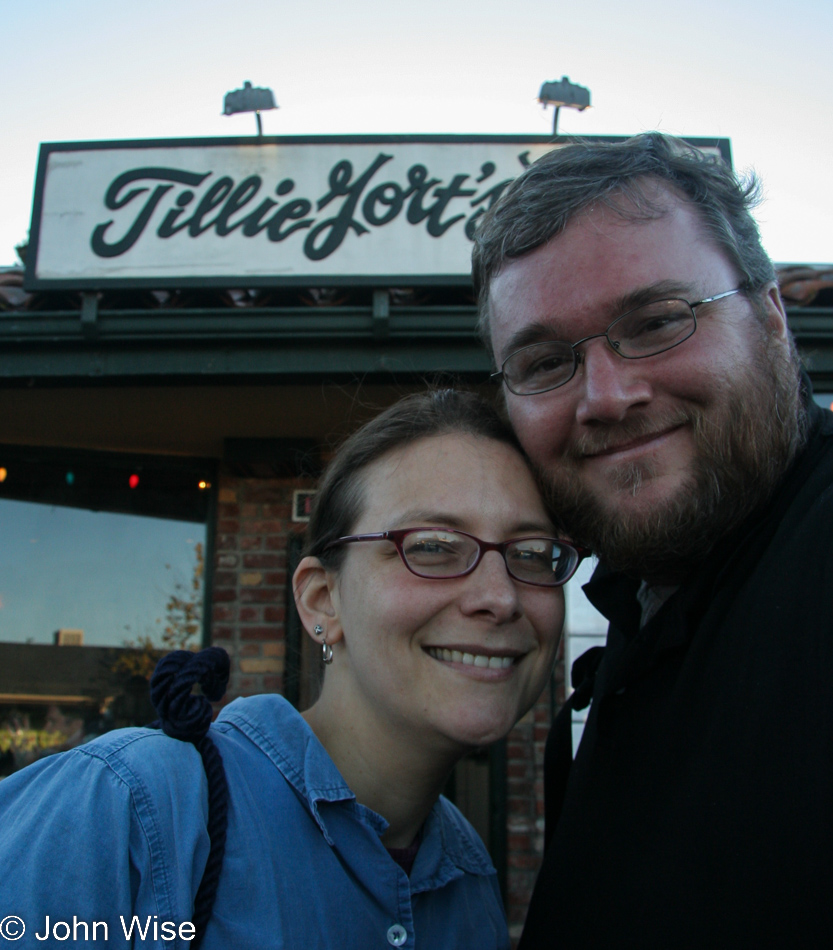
647,368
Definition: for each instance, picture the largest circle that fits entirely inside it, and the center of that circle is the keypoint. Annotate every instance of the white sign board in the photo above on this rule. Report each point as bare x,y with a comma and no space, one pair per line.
248,212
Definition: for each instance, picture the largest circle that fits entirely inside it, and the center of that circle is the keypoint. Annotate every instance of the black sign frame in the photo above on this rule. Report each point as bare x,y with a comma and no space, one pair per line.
34,283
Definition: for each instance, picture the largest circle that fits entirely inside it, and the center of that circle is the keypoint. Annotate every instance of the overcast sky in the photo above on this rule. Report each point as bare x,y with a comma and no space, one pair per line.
754,71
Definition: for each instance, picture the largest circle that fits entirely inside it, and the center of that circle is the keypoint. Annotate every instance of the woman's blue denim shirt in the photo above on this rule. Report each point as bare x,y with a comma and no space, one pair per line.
116,829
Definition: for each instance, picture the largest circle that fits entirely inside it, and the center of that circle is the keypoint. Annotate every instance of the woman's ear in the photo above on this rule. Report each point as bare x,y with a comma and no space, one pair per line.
316,597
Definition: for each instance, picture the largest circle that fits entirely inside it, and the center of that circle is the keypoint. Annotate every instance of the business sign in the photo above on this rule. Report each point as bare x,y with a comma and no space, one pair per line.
314,211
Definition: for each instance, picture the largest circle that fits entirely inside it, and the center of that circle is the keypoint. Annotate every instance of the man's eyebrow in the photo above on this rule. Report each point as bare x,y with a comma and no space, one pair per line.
661,290
539,332
531,333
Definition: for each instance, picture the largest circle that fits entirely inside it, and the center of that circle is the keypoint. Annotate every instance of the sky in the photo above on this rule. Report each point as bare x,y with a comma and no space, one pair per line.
756,72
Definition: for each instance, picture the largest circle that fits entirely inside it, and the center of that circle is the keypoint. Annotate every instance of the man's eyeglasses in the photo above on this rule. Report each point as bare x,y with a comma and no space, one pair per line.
438,554
646,331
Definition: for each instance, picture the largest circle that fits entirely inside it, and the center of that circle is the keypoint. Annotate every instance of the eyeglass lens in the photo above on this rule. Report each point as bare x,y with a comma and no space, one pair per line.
448,554
646,331
653,328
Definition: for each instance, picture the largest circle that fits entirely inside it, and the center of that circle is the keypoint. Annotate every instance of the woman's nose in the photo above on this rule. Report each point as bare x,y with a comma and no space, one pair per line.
490,590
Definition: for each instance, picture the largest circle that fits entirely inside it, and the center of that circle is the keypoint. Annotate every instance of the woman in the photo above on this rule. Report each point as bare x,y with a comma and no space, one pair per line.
434,643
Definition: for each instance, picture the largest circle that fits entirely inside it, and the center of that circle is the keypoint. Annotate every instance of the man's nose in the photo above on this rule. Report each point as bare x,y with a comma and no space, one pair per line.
610,385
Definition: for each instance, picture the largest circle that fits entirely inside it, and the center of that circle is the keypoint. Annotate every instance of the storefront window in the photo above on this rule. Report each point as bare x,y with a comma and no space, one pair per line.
101,570
112,576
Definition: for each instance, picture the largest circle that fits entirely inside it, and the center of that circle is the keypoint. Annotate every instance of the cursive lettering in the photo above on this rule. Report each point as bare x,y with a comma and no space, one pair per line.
336,228
357,202
115,201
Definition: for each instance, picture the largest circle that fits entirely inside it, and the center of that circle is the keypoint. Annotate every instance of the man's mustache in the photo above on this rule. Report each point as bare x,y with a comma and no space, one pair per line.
606,437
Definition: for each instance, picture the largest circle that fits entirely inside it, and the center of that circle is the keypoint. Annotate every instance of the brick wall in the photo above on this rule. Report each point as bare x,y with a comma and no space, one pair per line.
250,581
525,801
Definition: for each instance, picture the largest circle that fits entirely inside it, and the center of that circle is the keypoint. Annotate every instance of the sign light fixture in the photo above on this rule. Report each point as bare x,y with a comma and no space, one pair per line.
560,93
250,99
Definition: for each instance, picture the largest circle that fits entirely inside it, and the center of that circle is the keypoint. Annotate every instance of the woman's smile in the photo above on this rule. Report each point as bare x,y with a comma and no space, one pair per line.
492,661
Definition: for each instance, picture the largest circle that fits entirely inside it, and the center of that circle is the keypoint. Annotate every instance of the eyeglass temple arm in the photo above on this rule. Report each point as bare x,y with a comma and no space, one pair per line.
376,536
347,539
582,552
726,293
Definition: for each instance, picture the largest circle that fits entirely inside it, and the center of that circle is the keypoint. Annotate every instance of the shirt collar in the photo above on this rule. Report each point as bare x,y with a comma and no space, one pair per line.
449,849
282,734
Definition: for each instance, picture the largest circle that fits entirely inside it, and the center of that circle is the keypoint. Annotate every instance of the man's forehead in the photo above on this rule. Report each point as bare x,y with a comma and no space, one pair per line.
617,225
600,266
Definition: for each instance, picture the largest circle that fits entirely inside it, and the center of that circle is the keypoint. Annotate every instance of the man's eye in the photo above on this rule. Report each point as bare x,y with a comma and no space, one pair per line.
660,324
545,364
656,322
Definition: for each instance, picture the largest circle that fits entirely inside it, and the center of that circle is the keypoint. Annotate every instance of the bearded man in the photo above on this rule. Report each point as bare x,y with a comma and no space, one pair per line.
647,368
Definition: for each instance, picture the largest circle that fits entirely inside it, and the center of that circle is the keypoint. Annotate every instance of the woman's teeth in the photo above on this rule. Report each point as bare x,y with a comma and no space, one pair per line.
472,659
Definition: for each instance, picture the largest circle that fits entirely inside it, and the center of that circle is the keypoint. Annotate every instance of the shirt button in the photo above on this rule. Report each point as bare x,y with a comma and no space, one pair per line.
397,935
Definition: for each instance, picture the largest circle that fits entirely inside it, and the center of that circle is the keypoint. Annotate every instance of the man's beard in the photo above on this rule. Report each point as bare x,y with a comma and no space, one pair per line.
745,441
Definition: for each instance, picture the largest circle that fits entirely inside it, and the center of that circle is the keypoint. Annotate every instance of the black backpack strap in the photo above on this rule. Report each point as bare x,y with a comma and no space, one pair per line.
187,717
558,757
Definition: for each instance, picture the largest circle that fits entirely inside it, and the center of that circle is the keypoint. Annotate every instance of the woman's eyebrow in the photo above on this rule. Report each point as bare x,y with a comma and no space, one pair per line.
429,518
535,527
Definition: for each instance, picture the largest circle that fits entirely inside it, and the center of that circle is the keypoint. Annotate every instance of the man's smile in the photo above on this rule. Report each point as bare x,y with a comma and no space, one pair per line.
626,449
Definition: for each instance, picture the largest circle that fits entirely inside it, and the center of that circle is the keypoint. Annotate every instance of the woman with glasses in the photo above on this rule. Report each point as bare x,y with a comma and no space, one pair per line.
432,583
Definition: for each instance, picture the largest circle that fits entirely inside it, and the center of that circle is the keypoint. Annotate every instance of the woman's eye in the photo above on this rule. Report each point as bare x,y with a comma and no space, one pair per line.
432,549
427,547
532,560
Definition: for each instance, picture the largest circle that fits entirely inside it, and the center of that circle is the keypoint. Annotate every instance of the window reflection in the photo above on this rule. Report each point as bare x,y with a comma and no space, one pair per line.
110,575
89,599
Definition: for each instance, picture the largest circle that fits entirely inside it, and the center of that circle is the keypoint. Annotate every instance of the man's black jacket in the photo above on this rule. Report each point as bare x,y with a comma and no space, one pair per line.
699,811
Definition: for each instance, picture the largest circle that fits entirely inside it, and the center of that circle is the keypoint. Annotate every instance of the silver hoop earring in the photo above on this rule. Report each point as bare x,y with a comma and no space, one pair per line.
326,649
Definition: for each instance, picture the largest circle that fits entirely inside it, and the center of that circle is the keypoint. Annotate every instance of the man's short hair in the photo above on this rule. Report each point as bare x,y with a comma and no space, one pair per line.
539,204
